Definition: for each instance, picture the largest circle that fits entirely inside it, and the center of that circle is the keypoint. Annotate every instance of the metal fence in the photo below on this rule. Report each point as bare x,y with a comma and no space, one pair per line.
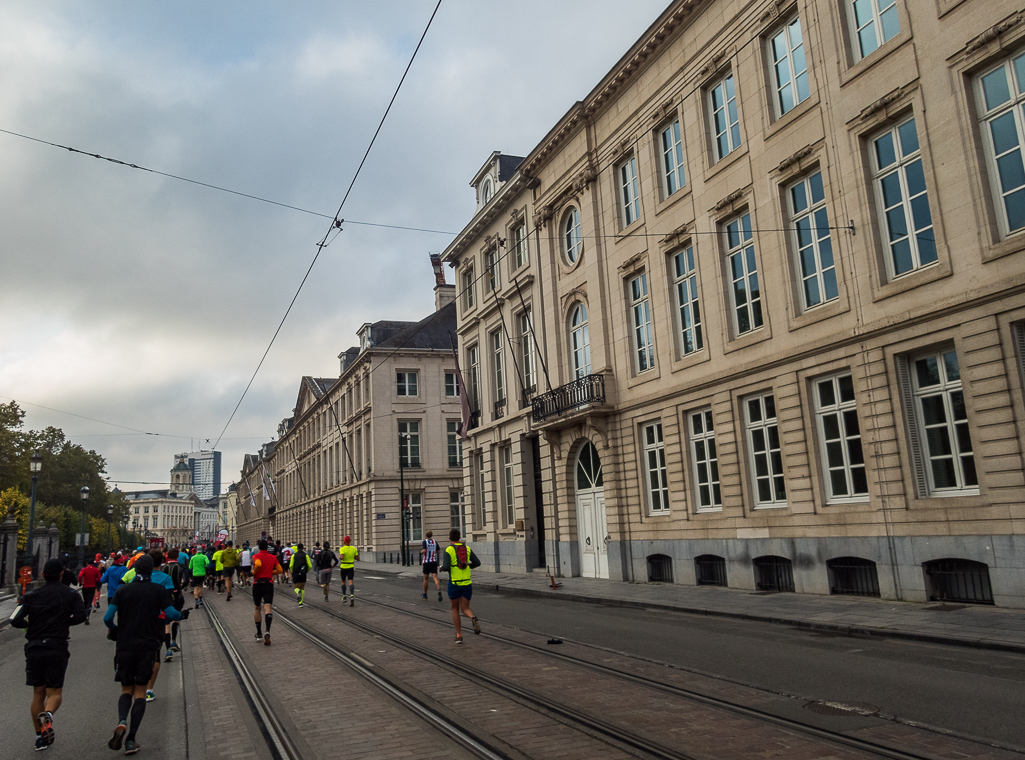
958,580
773,573
852,576
589,389
710,570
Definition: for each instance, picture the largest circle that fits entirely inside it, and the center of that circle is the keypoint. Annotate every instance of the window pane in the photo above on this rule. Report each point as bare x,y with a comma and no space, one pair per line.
885,152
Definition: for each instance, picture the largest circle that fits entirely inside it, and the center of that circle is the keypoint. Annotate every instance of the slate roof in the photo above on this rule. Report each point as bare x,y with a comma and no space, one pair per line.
319,385
431,332
507,166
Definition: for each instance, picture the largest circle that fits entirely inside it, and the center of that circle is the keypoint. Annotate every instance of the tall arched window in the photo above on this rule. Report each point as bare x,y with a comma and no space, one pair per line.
580,341
572,244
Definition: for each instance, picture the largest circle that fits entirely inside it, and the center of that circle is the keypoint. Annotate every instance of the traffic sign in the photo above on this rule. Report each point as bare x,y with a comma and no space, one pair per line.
81,539
24,578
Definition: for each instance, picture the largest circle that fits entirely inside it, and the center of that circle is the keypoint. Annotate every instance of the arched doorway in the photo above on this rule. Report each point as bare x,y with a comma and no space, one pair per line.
592,529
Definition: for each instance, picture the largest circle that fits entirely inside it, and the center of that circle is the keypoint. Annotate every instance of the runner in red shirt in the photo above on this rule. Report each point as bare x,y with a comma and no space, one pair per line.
265,567
89,579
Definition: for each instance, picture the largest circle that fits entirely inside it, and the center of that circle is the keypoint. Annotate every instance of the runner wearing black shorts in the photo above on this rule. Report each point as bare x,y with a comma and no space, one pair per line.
429,558
265,567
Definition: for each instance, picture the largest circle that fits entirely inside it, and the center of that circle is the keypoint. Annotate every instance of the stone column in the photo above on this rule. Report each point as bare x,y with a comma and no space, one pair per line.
8,552
53,541
39,550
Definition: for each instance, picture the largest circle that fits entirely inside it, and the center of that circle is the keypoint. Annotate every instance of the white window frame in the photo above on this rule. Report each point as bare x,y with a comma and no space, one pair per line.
415,524
704,458
527,355
875,21
519,245
469,298
1013,108
742,273
569,232
688,302
629,191
640,315
580,341
506,486
764,451
481,478
839,434
456,513
902,168
791,56
656,478
473,364
725,91
922,433
812,240
674,176
409,448
451,385
498,364
454,442
492,276
407,383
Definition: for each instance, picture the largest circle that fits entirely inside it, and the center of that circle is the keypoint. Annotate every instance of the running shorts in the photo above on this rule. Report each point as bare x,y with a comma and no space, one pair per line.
135,668
430,568
45,666
457,592
88,594
263,593
228,572
197,581
347,573
325,576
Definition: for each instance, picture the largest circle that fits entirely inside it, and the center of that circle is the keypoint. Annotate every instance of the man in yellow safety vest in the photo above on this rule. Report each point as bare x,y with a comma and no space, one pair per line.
458,561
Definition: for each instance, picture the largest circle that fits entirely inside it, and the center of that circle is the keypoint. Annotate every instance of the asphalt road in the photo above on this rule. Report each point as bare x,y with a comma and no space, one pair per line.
976,693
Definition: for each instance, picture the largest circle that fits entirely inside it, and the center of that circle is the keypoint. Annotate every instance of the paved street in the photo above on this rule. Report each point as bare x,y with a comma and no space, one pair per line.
717,670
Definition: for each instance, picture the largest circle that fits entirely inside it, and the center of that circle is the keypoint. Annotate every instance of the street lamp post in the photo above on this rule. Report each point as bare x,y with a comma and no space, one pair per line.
110,515
35,464
84,493
124,531
403,509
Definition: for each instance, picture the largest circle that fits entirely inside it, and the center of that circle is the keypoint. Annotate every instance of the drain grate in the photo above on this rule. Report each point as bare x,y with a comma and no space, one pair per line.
841,708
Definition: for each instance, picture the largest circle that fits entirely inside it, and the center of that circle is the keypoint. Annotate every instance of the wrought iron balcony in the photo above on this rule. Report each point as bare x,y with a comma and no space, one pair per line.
499,409
528,394
583,391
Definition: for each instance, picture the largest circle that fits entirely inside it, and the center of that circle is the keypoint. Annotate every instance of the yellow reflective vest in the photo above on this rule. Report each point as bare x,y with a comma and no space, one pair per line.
455,575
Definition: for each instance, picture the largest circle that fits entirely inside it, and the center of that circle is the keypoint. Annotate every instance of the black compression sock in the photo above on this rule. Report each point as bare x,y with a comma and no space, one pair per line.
267,620
259,631
167,640
174,631
124,704
138,710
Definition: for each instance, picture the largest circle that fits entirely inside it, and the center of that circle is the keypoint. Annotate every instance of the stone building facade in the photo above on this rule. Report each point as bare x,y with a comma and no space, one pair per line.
254,497
775,272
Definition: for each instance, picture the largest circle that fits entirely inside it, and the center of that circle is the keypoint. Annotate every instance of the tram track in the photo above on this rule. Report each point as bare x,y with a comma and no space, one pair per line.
856,743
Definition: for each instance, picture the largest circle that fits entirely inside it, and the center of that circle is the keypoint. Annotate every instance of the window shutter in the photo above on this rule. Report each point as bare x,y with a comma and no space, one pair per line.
907,398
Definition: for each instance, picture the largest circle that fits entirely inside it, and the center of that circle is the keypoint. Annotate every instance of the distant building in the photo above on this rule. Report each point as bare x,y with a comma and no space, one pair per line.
169,513
206,472
255,503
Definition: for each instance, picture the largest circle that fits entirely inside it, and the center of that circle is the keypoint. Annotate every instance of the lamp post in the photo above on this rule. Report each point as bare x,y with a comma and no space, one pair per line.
84,493
110,515
35,464
124,531
403,510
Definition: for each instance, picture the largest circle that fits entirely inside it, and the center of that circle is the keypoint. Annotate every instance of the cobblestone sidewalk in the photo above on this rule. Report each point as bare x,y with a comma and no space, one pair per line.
966,625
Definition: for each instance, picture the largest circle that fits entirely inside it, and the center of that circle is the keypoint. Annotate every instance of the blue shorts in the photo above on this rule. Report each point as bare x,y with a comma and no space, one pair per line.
457,592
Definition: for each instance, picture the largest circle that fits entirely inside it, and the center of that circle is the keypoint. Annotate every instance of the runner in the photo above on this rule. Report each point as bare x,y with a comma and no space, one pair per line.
219,569
47,613
245,559
89,579
347,555
299,565
173,569
137,606
429,558
229,561
326,560
112,577
265,567
197,566
284,557
160,578
101,565
458,561
315,554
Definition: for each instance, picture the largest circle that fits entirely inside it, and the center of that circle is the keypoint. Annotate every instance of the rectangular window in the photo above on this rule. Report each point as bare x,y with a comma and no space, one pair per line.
809,222
409,444
655,464
764,452
519,245
685,280
405,383
492,274
743,271
629,191
840,439
455,444
415,520
527,357
455,512
789,70
673,177
903,199
640,310
705,461
451,385
468,285
473,362
725,118
1001,97
506,472
874,22
482,512
498,354
942,424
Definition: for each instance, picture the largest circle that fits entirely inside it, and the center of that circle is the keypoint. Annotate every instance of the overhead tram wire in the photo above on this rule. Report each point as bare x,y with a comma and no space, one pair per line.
336,222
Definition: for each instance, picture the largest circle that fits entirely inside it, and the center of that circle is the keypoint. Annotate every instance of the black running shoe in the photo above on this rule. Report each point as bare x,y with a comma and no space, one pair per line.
476,625
118,737
46,727
41,743
131,747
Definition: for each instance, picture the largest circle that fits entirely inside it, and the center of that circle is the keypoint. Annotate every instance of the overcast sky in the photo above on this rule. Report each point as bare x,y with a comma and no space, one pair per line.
147,302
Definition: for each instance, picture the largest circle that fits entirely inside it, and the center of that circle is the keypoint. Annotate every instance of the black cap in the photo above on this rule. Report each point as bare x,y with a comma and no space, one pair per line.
53,569
143,565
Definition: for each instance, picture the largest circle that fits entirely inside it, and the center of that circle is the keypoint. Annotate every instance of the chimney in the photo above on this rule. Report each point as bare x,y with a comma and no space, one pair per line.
444,294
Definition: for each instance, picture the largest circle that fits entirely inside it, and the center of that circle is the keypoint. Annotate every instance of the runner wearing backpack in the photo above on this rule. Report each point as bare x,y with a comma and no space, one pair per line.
458,561
299,564
326,560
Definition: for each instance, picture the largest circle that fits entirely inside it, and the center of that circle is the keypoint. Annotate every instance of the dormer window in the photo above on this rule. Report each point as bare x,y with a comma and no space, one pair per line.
486,191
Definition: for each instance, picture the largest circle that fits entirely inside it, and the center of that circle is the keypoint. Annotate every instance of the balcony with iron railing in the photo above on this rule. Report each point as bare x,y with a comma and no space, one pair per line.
528,394
500,407
584,392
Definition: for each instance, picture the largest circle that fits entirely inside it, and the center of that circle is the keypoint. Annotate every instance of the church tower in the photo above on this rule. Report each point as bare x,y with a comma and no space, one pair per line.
181,477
